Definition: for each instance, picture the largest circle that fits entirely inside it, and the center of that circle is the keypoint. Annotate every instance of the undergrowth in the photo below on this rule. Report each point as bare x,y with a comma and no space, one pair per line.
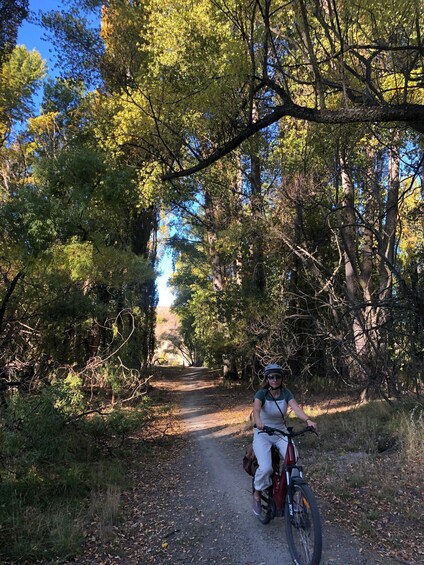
376,427
366,468
59,468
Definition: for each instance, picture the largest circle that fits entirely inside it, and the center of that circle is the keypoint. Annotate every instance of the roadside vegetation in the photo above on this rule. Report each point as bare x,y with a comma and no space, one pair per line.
63,466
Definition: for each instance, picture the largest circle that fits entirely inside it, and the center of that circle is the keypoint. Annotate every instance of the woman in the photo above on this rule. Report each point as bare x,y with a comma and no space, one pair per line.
269,407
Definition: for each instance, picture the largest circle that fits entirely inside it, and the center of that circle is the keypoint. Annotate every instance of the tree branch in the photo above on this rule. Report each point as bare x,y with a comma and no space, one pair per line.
411,114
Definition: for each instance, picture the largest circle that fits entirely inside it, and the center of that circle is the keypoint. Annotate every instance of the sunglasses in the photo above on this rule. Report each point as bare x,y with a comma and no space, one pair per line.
274,377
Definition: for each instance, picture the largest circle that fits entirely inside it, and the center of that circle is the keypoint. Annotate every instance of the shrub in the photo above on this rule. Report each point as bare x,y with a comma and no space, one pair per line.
53,465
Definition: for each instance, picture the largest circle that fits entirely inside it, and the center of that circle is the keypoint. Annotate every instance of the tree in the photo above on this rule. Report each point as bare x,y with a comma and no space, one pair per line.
290,245
335,285
12,14
338,63
20,75
76,252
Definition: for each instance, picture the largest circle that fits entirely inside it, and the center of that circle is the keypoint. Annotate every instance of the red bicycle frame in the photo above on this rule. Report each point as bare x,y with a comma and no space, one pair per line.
280,480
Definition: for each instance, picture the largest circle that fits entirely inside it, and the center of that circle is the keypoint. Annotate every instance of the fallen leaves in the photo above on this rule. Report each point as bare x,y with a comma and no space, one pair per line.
385,509
161,521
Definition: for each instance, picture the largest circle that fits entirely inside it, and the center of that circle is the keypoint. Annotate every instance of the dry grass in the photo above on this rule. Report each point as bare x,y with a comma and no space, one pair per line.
413,439
105,509
367,470
365,467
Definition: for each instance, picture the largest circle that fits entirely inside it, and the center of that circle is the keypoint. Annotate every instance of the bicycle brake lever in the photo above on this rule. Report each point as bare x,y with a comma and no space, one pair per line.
313,430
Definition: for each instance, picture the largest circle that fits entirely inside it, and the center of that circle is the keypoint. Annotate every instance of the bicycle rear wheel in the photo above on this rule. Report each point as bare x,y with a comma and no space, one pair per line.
303,528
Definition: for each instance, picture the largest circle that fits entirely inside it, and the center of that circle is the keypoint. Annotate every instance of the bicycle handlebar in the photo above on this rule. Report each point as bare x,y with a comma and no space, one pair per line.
270,431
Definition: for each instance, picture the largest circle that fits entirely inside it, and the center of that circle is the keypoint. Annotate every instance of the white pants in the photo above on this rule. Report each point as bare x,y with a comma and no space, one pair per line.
262,444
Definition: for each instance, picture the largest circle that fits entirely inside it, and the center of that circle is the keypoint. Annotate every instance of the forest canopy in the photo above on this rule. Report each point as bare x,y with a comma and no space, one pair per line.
275,147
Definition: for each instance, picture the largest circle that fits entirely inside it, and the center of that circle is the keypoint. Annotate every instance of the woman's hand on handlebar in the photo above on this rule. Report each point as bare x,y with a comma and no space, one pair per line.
312,424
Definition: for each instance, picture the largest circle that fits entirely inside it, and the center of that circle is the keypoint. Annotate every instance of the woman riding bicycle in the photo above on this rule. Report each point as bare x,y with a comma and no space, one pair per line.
269,408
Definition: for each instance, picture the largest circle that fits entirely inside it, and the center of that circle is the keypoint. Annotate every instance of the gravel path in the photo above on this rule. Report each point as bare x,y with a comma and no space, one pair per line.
218,517
194,505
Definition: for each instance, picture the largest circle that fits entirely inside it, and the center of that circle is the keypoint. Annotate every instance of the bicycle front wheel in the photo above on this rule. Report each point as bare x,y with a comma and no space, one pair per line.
303,528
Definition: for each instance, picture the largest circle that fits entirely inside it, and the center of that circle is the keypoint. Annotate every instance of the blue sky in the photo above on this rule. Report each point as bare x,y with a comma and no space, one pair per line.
165,296
30,35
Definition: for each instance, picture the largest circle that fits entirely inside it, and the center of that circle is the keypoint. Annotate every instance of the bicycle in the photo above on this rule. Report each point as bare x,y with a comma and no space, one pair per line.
289,495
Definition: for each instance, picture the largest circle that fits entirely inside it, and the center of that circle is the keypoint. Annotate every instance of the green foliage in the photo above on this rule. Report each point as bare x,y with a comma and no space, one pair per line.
69,394
20,75
54,459
73,228
35,426
13,12
78,46
121,422
63,95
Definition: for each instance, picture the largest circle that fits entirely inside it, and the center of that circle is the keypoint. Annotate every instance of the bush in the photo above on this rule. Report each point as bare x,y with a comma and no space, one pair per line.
55,462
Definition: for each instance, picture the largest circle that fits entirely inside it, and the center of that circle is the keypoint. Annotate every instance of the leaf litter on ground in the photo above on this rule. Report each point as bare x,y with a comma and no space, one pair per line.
149,529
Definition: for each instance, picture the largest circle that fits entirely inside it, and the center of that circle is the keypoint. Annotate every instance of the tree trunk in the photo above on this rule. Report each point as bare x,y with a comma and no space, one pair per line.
387,253
258,271
144,243
348,232
368,235
212,237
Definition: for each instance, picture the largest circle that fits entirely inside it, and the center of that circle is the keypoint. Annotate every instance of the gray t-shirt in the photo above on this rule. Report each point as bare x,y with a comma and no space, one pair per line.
270,414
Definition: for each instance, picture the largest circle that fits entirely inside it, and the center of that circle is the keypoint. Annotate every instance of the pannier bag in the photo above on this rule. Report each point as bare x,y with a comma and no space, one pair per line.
250,463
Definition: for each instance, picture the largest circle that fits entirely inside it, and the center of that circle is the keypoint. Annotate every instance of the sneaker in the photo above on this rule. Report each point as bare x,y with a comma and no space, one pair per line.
256,507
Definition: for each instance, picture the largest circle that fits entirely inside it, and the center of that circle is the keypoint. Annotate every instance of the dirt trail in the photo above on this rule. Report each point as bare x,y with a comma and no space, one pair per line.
223,528
195,506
